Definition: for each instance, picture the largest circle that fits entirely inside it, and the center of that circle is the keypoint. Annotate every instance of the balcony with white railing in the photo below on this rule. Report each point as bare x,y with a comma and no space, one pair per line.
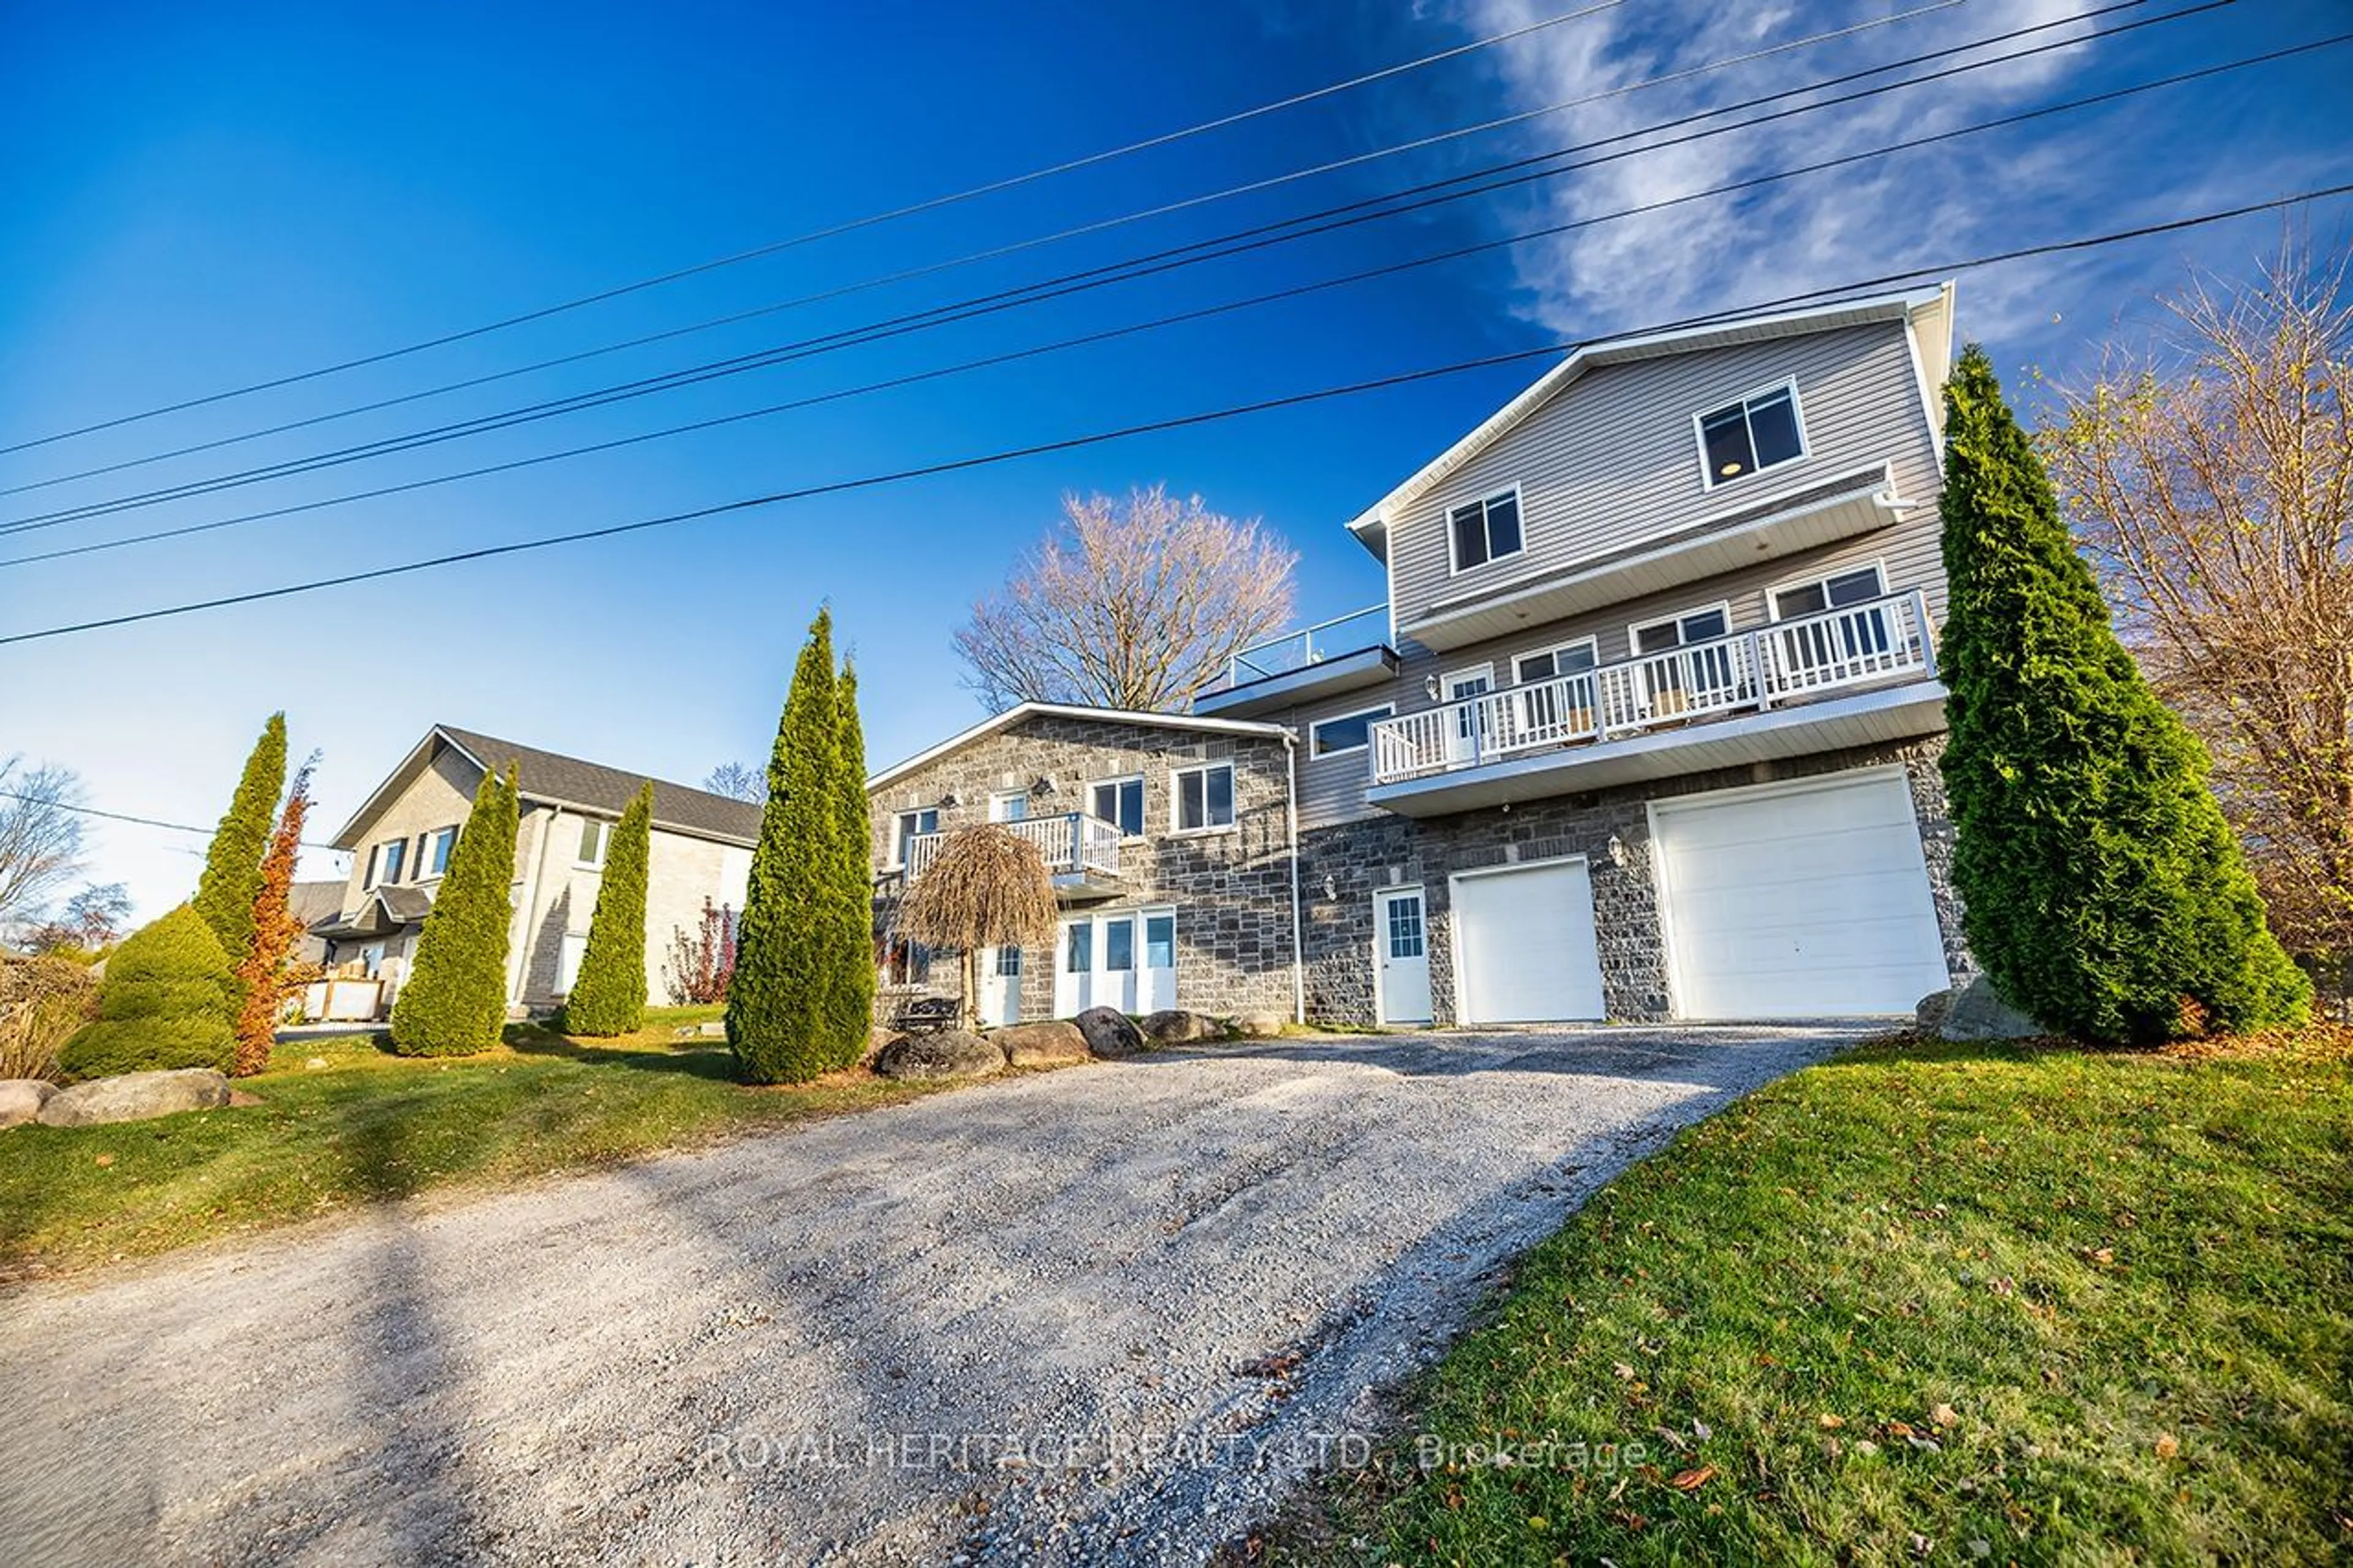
1079,851
1347,653
1636,713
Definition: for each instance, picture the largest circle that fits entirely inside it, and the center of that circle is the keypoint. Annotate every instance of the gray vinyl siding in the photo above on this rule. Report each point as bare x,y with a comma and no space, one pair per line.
1613,458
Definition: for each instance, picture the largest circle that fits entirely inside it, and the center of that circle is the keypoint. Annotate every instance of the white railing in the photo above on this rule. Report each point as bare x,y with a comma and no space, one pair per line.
1069,844
1363,628
1747,670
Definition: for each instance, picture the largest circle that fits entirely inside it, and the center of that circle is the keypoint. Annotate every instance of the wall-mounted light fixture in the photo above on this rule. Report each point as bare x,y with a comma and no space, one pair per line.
949,800
1618,856
1043,787
1331,887
1429,687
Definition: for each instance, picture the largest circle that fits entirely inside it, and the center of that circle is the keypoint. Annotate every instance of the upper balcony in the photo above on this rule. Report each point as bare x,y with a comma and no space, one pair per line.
1081,852
1851,676
1347,653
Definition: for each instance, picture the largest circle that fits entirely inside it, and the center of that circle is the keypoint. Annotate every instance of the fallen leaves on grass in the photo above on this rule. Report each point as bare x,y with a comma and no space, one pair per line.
1691,1480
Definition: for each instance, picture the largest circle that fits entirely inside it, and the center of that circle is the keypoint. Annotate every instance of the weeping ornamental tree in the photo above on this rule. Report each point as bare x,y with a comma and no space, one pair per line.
804,949
232,874
987,886
609,995
2105,894
454,1003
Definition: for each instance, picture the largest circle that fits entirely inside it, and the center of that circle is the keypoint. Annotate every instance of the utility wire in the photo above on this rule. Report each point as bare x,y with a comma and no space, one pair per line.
1000,251
911,209
1107,335
1119,272
136,821
837,486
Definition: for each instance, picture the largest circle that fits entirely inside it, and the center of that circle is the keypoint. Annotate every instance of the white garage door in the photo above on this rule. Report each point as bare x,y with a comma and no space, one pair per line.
1804,901
1523,949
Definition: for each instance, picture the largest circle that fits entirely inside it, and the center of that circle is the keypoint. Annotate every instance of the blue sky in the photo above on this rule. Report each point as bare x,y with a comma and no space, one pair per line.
199,198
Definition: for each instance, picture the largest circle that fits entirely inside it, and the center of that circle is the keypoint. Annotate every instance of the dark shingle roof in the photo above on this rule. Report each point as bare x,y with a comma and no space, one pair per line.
311,902
548,775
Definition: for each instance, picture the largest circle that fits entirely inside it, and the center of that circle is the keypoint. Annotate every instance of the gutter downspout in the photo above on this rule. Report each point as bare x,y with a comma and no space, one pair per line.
1298,949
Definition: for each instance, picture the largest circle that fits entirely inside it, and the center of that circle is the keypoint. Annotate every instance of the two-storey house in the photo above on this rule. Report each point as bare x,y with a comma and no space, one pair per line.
401,837
1647,727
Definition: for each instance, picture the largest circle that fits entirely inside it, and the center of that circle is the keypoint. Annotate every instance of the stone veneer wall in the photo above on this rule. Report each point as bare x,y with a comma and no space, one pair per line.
1231,889
1358,858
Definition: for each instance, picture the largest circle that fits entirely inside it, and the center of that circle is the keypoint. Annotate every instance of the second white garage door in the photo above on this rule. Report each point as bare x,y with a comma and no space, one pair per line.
1797,901
1524,949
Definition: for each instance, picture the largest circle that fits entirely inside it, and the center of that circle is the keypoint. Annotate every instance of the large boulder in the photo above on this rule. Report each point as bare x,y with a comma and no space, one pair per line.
21,1100
1979,1013
1176,1027
1110,1033
1928,1014
1040,1044
135,1097
943,1053
1261,1025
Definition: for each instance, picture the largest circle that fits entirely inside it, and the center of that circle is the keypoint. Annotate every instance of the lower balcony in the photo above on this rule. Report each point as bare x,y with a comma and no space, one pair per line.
1081,852
1851,676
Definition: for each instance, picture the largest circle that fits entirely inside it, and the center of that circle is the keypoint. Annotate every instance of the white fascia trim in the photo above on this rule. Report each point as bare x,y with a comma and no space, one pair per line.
346,837
1021,711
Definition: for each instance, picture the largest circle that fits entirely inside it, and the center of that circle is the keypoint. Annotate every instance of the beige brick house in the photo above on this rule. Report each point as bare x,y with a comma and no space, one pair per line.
400,840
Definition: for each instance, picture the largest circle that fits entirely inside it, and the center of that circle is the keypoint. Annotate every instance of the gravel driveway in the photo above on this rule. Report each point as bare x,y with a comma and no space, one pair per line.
1105,1314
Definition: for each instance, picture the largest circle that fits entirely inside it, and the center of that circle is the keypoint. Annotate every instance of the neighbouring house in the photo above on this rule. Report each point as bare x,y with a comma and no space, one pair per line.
400,840
315,904
1647,727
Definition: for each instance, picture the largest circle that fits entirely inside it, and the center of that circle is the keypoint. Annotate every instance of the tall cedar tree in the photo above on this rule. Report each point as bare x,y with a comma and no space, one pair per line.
786,1005
455,1000
232,876
609,995
853,1008
263,975
2105,894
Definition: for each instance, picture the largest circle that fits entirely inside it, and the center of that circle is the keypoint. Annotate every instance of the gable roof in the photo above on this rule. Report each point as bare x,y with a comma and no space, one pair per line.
558,780
1021,711
1928,314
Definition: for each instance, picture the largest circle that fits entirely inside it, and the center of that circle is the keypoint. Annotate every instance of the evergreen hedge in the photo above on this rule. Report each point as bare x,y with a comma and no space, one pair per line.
806,921
454,1002
851,1017
169,1000
608,996
232,874
2105,895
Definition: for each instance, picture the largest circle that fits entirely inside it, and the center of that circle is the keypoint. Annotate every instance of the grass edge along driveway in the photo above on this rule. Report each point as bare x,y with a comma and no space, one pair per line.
1922,1302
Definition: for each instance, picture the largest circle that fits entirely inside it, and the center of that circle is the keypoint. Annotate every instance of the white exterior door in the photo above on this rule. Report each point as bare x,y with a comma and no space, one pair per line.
1523,947
1401,956
1000,985
1126,961
1157,975
1803,901
1463,741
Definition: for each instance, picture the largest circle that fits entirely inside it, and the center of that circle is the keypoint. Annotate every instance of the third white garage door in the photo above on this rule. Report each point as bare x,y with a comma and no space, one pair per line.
1802,901
1523,949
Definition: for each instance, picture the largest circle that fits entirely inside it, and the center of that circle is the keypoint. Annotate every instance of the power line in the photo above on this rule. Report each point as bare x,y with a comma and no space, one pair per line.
136,821
1000,251
484,552
1246,240
1203,312
911,209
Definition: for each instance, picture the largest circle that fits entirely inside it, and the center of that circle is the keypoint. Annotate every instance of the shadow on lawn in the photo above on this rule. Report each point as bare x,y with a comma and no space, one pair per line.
700,1057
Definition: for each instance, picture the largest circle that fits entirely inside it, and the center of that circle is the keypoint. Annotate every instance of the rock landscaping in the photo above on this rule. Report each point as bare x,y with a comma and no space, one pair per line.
1040,1045
1976,1012
940,1054
1110,1033
21,1100
1179,1028
135,1097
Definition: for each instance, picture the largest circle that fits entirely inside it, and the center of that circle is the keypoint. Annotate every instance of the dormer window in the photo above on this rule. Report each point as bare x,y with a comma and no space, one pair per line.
1484,531
1760,431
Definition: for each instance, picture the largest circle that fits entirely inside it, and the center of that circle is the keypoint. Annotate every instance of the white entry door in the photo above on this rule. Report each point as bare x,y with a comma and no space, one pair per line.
1075,967
1156,981
1126,961
1000,985
1401,956
1524,946
1804,901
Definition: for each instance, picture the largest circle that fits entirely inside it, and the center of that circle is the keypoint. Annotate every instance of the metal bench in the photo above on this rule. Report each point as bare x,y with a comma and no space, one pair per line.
927,1013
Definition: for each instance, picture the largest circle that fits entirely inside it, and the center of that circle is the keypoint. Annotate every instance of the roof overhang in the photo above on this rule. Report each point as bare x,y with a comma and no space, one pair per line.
1854,503
1892,713
1342,673
1928,314
1014,714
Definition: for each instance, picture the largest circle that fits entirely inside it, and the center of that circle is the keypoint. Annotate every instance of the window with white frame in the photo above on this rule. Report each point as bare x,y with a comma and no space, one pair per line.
1205,797
596,838
1545,663
573,948
1832,593
1348,733
911,825
436,852
1682,631
1011,805
1760,431
1486,529
1119,802
385,863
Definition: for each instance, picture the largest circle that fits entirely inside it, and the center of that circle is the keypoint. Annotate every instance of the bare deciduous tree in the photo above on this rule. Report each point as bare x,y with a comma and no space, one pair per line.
2209,469
40,836
737,781
1135,604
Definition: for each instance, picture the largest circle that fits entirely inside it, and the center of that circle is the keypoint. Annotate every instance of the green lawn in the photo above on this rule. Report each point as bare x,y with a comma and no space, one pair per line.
369,1125
1919,1303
